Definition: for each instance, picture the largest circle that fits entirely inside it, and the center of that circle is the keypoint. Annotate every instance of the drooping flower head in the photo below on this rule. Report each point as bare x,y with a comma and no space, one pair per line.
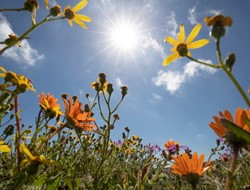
102,84
239,119
49,104
218,23
191,168
71,14
76,116
181,46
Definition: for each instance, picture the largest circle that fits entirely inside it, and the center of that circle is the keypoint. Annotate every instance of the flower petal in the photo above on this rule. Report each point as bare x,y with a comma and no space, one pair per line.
83,18
4,148
181,35
198,44
46,3
171,40
80,23
193,33
170,59
80,5
70,22
25,150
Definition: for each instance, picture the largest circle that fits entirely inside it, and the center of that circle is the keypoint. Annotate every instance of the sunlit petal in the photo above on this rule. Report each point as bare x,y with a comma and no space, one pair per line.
170,59
70,22
181,35
25,150
83,18
198,44
80,23
46,3
171,40
193,33
80,5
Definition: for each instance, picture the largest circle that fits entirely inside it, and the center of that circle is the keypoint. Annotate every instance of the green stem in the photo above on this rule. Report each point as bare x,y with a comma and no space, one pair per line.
204,63
18,10
18,133
230,75
229,181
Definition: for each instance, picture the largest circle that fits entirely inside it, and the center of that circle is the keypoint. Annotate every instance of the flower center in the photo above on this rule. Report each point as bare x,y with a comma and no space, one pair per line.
69,14
182,49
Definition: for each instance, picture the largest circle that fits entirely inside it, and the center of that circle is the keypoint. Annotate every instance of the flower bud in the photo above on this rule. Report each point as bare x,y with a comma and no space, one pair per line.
124,90
110,88
217,31
30,5
55,11
230,60
86,108
102,78
127,129
9,130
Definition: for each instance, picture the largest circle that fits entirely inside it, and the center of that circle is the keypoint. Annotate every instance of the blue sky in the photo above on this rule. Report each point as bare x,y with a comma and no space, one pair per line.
175,102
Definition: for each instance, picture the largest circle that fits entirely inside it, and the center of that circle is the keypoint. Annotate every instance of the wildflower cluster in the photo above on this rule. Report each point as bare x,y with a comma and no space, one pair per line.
68,147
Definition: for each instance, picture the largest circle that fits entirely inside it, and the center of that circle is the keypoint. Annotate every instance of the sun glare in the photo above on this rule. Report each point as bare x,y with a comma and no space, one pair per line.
124,36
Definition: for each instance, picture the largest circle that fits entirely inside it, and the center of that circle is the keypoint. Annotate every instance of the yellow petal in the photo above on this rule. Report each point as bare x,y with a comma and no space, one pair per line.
83,18
80,5
4,148
25,150
80,23
2,69
70,22
170,59
198,44
193,33
171,40
46,3
181,35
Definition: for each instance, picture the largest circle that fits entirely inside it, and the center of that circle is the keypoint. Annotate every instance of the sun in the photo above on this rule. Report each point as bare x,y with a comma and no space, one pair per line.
124,36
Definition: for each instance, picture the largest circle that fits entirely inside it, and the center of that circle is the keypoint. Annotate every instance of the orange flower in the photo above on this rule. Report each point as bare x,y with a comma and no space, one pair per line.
184,165
49,104
239,120
76,116
170,144
219,19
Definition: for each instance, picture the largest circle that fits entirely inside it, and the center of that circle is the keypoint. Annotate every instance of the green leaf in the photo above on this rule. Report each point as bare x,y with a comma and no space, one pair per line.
241,133
53,185
69,183
40,181
78,182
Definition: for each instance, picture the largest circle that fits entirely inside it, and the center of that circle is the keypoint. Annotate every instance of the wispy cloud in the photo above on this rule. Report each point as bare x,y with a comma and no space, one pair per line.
192,15
152,43
119,82
171,24
24,54
156,96
173,80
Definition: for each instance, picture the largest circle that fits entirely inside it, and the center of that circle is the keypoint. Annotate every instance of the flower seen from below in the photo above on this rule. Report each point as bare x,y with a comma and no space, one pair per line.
181,46
4,147
190,168
76,116
71,14
239,120
20,81
219,19
49,104
100,87
30,158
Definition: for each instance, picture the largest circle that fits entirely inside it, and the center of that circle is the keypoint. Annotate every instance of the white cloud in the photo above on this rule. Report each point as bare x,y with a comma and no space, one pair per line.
25,53
157,96
171,24
214,12
192,15
173,80
150,42
119,82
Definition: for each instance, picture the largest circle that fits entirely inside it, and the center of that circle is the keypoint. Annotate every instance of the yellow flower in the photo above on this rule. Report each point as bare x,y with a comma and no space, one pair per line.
100,87
181,47
20,81
79,19
4,147
30,158
219,19
49,104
